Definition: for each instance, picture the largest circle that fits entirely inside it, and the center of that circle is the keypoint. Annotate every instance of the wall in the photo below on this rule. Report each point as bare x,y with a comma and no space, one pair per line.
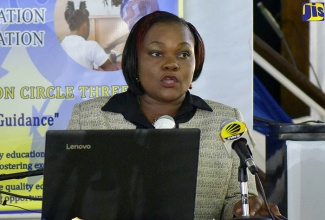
226,28
227,77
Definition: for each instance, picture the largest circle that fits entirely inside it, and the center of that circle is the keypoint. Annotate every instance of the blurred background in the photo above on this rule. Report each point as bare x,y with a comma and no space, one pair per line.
288,66
294,42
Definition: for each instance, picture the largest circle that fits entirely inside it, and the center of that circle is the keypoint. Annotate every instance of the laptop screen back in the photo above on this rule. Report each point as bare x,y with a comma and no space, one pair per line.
120,174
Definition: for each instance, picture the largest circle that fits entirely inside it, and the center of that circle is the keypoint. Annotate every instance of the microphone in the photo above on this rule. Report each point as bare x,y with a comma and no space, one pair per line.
276,27
164,122
268,16
235,134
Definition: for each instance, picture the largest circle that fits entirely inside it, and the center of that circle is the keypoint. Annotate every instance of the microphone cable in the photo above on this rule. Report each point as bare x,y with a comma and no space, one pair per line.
21,196
260,186
4,203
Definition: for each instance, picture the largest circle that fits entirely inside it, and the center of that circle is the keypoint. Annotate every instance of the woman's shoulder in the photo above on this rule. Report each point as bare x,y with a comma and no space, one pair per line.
218,105
220,109
99,101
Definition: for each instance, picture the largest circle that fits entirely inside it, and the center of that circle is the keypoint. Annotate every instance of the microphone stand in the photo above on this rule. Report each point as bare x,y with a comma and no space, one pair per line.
243,179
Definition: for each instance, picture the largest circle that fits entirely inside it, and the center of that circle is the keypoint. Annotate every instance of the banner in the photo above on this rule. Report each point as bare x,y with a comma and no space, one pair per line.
40,83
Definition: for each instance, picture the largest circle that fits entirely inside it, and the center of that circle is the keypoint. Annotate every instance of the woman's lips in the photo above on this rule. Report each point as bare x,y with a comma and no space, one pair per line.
169,81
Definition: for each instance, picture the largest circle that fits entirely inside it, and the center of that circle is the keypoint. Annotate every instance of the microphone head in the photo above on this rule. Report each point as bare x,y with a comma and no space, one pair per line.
235,135
231,130
164,122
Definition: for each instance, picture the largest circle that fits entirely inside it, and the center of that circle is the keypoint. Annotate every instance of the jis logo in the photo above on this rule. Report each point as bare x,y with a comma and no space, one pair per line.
313,11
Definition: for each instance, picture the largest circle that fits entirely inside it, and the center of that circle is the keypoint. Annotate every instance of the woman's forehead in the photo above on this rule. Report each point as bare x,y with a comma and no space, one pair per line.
161,29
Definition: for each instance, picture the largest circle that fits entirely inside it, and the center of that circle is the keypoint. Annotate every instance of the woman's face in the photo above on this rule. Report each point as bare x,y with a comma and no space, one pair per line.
166,62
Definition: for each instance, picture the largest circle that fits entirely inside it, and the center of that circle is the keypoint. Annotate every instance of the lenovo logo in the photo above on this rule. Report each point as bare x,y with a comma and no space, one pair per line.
78,147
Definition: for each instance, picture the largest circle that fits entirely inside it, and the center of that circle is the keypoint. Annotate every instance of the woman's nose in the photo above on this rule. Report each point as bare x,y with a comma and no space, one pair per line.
170,64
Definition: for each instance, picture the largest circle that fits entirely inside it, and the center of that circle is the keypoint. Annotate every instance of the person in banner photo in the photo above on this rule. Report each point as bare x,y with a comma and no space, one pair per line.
162,57
85,52
131,11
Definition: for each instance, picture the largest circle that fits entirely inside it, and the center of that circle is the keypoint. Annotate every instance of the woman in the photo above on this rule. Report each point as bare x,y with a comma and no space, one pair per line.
163,55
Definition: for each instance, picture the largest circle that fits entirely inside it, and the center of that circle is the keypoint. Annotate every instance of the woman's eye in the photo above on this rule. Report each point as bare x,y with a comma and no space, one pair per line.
155,53
184,54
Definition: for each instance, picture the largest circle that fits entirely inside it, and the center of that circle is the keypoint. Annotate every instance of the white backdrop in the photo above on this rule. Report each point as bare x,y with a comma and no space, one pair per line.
227,30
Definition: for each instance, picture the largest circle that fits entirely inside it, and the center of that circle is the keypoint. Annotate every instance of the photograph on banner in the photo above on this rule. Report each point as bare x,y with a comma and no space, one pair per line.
105,24
41,81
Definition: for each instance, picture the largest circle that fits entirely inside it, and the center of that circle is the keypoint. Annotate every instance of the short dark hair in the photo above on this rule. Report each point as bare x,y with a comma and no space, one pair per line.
135,39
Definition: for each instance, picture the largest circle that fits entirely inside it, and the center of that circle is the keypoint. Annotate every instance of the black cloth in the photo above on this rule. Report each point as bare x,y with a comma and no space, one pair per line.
127,104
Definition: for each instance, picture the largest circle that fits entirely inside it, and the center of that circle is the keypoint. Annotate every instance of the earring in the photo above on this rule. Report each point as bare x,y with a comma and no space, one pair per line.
190,86
137,79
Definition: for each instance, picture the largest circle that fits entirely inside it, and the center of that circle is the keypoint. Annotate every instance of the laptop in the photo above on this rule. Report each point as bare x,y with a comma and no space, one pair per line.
120,174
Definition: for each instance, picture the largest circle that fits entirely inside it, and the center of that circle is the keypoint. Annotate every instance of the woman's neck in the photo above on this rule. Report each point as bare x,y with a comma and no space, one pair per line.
153,109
